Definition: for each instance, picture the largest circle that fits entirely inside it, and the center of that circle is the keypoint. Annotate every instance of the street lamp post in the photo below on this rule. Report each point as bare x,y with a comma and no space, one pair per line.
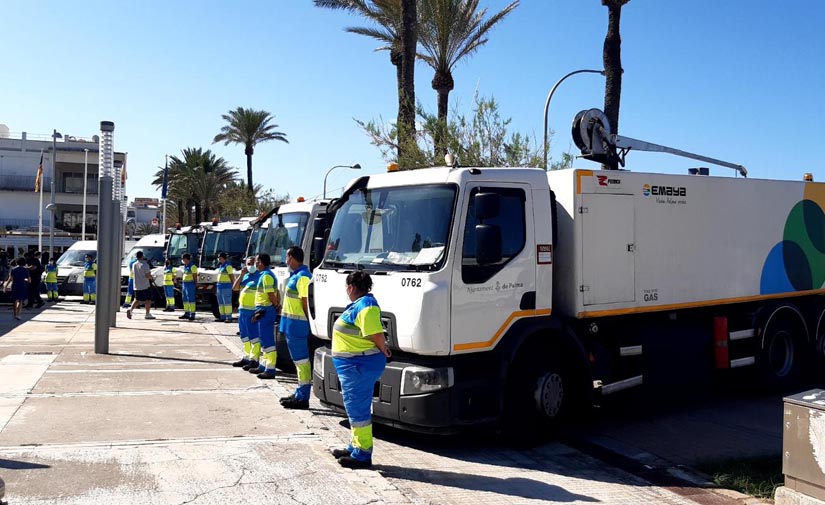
55,135
85,181
550,96
354,167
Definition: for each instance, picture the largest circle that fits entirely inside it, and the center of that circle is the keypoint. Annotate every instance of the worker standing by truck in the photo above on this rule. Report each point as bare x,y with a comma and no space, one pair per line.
130,286
295,326
169,286
51,280
189,284
224,289
89,276
266,310
247,283
359,353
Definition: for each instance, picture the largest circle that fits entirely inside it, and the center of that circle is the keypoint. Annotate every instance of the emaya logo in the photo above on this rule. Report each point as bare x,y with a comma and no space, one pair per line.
646,190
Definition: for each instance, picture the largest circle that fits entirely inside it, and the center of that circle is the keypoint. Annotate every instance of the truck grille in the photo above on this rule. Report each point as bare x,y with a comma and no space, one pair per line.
387,322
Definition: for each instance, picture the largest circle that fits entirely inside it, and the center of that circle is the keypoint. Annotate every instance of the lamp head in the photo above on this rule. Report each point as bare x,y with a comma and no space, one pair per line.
356,167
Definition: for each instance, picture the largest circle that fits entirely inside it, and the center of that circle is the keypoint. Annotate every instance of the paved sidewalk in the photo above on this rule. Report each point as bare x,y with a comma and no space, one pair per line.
164,419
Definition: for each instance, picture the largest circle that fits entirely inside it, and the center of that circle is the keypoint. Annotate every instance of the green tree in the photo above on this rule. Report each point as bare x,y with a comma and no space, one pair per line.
612,56
386,17
195,179
451,30
248,127
482,139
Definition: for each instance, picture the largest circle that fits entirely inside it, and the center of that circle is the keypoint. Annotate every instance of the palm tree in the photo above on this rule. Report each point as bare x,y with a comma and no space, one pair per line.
451,30
406,92
248,127
387,18
195,179
612,56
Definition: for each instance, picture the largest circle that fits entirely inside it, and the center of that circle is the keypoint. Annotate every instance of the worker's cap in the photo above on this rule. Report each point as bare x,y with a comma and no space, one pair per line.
222,255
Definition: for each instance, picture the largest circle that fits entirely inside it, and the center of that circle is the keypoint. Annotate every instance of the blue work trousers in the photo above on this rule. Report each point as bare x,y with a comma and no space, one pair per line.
357,376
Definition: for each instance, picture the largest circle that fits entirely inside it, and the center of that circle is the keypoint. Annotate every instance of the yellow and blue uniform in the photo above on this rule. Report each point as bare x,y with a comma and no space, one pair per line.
223,290
51,281
248,328
130,287
266,323
188,289
295,326
169,286
89,284
359,364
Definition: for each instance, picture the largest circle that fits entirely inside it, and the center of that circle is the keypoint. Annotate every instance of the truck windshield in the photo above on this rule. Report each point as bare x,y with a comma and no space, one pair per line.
404,228
255,238
74,258
285,231
153,255
232,242
181,243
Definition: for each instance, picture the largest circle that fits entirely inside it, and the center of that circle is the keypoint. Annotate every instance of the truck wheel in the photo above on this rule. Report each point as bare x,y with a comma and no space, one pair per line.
538,394
780,356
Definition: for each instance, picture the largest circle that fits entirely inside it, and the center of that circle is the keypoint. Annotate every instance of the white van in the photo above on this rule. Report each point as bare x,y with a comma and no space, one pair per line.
70,267
154,249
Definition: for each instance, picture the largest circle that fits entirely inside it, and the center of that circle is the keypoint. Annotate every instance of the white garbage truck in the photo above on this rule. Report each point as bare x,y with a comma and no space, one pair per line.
512,293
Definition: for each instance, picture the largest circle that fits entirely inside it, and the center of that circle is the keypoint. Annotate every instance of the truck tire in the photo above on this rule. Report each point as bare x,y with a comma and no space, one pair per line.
540,393
781,354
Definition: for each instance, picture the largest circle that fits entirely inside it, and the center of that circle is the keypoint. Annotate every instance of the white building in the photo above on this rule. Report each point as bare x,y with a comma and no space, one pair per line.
19,158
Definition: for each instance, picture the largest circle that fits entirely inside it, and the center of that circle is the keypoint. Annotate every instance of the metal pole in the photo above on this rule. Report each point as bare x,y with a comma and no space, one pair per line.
550,96
85,183
54,174
105,238
166,168
114,267
40,212
355,167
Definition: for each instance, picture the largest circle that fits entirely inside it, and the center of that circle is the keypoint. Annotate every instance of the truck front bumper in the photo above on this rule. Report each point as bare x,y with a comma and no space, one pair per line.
468,403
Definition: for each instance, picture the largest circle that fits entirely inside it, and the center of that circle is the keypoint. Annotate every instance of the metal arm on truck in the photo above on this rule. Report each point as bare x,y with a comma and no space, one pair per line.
591,134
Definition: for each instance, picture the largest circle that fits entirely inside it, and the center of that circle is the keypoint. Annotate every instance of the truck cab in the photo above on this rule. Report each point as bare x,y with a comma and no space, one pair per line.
229,237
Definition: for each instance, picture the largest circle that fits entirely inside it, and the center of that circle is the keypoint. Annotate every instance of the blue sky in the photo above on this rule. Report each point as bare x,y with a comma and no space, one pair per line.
740,80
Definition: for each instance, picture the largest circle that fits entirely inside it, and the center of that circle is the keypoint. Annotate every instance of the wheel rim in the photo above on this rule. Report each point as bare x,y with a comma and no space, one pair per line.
550,394
780,354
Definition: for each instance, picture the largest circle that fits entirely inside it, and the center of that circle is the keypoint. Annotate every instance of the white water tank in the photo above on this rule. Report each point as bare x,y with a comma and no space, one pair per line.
4,131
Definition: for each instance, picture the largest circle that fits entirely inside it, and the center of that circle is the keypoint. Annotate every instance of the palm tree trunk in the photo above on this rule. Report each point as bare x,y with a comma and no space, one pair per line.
395,59
406,109
180,210
612,56
442,83
198,213
249,152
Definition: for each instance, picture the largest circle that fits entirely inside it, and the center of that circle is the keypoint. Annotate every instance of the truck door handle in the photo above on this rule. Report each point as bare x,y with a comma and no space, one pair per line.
631,247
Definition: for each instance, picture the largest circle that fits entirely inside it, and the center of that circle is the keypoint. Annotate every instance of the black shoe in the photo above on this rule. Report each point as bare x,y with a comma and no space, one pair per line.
255,370
228,321
295,404
237,333
218,319
287,398
350,462
251,365
340,453
240,363
168,309
191,318
266,375
185,316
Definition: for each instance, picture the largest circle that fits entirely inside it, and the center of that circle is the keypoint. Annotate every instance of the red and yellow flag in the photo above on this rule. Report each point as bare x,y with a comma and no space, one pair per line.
38,179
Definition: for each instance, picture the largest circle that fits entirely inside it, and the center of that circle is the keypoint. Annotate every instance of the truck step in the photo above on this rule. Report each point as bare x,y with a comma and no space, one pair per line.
742,334
631,350
746,361
621,385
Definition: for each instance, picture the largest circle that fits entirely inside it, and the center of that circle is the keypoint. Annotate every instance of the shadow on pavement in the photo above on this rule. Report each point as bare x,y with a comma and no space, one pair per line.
10,464
512,486
165,358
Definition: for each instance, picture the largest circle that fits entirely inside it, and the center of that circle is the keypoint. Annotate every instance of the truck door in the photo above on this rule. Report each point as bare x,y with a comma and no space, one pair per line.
608,263
486,299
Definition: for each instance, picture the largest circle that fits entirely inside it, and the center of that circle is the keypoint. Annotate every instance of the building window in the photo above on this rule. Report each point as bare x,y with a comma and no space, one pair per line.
73,183
72,222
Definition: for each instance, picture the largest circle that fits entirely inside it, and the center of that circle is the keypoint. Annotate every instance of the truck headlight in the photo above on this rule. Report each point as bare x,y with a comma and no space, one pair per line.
318,363
71,279
416,380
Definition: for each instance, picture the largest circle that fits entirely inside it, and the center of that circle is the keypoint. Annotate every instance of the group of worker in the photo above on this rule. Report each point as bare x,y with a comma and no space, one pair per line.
358,347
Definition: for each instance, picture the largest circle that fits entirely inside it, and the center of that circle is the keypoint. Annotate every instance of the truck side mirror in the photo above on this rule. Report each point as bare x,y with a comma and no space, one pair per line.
319,226
486,205
488,244
318,244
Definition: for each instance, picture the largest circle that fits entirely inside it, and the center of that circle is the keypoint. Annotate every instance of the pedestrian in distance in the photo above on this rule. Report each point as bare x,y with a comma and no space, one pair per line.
247,284
295,326
20,280
189,283
359,354
89,280
169,286
143,282
130,285
51,280
267,302
223,289
35,272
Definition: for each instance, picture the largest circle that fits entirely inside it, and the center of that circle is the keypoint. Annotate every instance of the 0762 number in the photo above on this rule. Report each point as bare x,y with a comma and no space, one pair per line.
411,282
